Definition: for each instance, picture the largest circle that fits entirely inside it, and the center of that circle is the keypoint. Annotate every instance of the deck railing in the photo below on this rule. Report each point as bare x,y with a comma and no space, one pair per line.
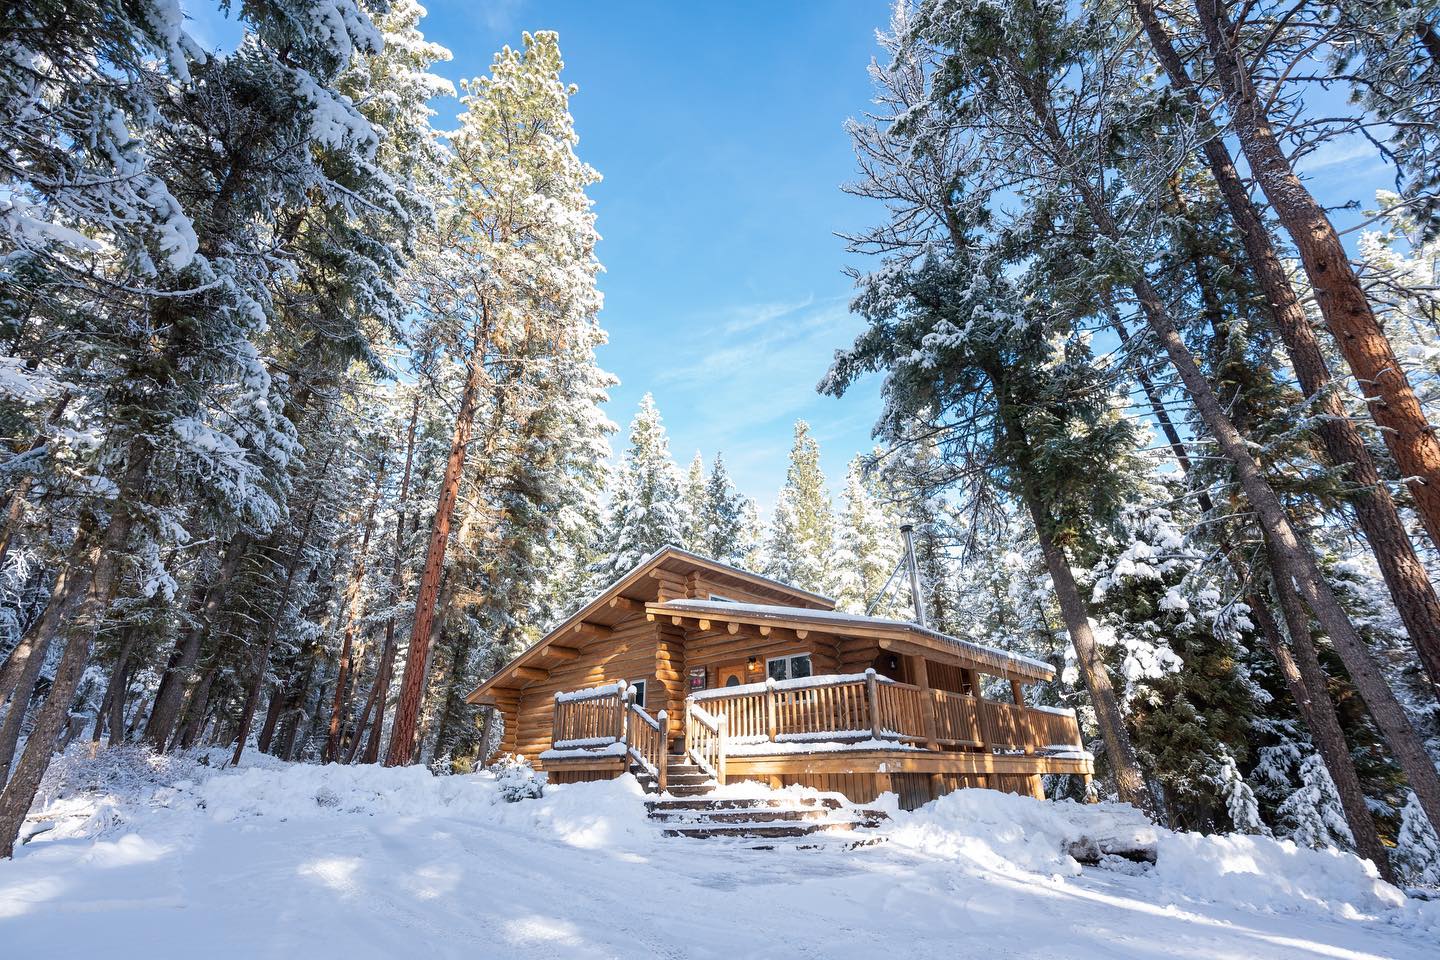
871,707
598,718
644,738
705,740
857,709
589,718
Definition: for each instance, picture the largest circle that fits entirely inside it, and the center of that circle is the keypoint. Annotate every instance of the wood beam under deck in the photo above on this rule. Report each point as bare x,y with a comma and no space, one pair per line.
903,761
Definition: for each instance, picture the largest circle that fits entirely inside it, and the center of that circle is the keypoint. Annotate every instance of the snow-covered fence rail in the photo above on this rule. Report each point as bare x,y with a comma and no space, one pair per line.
705,739
644,737
871,707
1006,726
590,717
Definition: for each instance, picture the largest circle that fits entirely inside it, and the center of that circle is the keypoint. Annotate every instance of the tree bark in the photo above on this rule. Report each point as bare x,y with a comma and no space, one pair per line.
262,657
1130,783
1308,686
1292,558
1405,577
19,791
272,717
166,710
412,684
386,666
1338,293
354,610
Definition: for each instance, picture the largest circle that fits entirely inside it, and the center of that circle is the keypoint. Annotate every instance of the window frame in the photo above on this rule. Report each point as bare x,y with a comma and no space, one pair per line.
786,658
644,686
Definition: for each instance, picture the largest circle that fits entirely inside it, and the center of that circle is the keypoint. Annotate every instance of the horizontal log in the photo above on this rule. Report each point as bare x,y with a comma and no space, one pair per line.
530,673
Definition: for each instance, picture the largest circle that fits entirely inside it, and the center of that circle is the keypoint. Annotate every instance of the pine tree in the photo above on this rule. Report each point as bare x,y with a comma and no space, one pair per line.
693,499
802,532
1312,816
726,523
867,546
1417,850
647,509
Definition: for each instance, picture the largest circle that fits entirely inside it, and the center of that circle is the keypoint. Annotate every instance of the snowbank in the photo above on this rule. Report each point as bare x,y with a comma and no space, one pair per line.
175,856
1015,835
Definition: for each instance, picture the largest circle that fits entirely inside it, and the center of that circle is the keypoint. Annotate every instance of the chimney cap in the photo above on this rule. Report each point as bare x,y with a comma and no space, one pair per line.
906,527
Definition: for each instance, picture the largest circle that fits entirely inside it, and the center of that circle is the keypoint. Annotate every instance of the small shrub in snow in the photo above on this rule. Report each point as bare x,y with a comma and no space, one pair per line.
326,797
1312,815
1417,850
517,779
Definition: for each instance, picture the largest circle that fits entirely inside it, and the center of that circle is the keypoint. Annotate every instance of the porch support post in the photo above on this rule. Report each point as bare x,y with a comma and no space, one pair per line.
627,696
872,693
920,676
1017,691
724,726
663,761
772,724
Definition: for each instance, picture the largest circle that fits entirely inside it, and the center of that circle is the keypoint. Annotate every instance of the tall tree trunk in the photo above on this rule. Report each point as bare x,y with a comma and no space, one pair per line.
386,666
262,657
354,610
103,568
1314,703
1130,783
166,710
1291,556
1312,696
412,683
197,708
27,659
1405,577
272,716
1338,293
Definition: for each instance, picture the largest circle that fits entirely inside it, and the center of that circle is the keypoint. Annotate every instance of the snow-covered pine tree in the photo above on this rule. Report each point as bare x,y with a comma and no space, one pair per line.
647,509
1312,815
726,518
801,542
529,236
693,500
867,547
1417,850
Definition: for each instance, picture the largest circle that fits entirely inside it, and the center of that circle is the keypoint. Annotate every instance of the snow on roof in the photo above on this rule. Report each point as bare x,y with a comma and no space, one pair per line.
779,584
978,650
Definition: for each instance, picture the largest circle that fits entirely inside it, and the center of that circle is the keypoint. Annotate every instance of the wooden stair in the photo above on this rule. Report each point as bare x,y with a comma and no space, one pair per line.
780,817
682,778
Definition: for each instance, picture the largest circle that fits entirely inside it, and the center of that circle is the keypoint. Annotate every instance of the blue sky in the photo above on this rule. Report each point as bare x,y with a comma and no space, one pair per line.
718,130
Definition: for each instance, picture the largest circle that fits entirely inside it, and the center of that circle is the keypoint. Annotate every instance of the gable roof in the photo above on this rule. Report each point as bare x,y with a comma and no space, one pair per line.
1002,662
637,588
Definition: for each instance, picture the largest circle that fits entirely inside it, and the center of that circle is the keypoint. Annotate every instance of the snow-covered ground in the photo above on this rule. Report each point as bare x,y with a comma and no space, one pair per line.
166,858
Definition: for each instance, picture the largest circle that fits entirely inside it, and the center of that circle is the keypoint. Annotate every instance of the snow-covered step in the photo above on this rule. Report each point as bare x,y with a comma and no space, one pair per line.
747,803
764,817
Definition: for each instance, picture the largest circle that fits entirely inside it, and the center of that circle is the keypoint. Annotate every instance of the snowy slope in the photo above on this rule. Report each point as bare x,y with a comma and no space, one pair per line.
162,858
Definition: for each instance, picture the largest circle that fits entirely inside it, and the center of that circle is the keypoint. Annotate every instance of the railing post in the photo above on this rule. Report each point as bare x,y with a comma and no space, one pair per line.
872,693
626,697
772,723
555,730
720,735
662,762
689,727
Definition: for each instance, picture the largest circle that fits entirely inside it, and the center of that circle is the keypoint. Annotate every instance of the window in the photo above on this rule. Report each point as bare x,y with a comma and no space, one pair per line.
716,598
788,668
639,687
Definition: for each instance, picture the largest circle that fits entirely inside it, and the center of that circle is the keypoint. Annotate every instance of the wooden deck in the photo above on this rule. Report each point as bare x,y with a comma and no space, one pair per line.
860,735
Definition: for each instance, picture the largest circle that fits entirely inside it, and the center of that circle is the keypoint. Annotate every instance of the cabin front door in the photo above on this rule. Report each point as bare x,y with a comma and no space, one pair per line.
730,675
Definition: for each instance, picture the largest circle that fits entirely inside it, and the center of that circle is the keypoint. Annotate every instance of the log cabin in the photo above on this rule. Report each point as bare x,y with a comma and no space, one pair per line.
686,661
